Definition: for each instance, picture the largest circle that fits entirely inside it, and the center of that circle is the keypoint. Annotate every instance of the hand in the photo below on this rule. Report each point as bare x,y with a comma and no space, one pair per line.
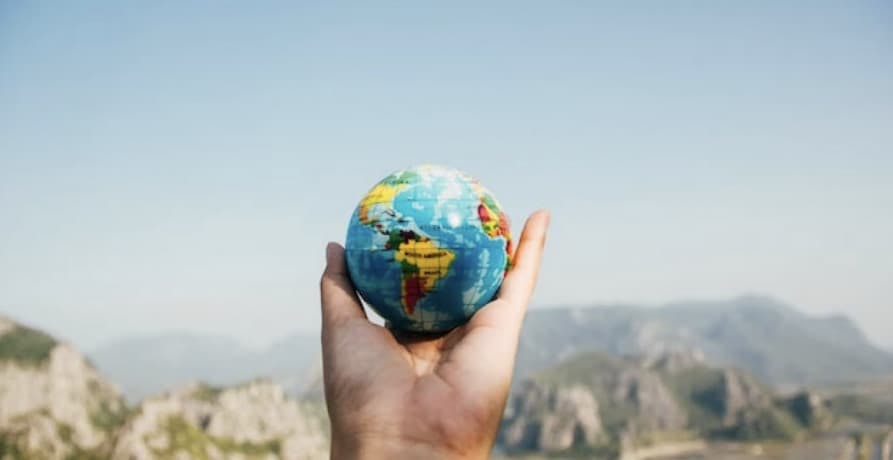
398,395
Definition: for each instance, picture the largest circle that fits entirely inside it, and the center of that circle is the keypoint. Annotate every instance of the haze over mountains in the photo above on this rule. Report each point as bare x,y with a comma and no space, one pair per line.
143,366
610,382
768,338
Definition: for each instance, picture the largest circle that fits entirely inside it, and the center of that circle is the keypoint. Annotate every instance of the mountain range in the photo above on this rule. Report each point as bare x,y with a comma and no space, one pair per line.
606,382
765,337
768,338
597,403
144,366
55,405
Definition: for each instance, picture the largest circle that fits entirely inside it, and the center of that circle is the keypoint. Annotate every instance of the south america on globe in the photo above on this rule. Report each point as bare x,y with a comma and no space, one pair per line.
427,247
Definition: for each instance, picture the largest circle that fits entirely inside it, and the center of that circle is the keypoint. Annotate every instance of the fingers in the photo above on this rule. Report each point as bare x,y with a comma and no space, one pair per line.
507,311
338,298
521,278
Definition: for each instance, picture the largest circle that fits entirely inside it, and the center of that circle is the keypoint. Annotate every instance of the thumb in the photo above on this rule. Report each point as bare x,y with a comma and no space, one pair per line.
338,297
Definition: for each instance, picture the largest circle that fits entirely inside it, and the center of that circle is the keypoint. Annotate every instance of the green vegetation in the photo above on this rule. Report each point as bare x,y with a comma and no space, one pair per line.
810,413
14,445
25,345
602,451
64,431
10,449
582,368
594,370
110,416
207,393
762,423
719,404
863,444
865,408
701,392
187,438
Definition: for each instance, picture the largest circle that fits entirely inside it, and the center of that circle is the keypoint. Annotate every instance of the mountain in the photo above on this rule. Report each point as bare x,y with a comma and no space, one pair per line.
770,339
53,403
597,405
255,420
144,366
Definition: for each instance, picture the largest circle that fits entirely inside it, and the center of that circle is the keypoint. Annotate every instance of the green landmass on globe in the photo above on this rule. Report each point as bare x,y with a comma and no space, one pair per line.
427,247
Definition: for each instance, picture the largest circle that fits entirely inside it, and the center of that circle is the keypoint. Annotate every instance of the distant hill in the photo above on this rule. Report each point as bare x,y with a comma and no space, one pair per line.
767,338
770,339
144,366
597,405
592,383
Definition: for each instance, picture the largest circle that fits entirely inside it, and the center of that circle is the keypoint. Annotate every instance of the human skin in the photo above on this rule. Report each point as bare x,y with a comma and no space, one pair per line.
397,395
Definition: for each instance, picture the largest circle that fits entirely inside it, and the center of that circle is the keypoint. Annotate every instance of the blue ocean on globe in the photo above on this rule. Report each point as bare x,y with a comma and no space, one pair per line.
427,247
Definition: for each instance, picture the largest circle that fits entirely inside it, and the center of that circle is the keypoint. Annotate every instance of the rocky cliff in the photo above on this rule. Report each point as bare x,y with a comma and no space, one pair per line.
254,420
53,403
551,419
602,405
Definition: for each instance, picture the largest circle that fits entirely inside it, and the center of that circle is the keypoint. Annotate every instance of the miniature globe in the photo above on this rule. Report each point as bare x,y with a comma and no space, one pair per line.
427,247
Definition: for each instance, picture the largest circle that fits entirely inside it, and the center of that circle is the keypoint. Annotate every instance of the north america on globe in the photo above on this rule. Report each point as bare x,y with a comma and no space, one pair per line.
427,247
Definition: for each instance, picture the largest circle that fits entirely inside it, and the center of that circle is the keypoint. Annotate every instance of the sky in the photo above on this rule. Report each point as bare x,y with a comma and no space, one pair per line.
181,165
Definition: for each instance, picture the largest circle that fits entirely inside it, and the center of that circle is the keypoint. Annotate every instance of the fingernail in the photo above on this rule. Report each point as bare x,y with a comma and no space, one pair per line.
547,215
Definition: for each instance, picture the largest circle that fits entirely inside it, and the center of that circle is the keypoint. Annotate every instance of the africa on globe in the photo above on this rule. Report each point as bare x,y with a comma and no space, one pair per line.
427,247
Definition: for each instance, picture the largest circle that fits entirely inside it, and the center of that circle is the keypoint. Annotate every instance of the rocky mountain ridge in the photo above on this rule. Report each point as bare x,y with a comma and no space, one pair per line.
55,405
616,383
768,338
51,398
253,420
601,405
765,337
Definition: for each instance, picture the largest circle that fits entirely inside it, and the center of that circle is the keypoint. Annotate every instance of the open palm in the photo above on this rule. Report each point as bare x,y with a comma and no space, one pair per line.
392,394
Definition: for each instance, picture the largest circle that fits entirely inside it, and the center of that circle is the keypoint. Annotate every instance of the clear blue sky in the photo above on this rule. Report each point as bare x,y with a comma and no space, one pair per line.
180,165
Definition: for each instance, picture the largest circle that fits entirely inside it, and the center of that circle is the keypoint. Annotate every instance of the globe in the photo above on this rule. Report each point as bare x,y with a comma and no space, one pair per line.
427,247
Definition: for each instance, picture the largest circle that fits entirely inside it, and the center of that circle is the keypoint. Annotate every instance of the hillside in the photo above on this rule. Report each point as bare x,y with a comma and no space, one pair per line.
55,405
255,420
598,405
772,340
592,404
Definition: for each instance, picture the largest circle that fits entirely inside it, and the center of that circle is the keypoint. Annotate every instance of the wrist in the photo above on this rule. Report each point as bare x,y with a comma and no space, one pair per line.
384,446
